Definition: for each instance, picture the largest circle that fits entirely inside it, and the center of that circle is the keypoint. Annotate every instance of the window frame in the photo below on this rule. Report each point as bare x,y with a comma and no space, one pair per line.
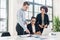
7,12
33,3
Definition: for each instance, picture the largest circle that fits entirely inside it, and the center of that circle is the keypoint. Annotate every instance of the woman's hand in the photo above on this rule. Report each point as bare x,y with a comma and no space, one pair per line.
38,33
41,26
45,26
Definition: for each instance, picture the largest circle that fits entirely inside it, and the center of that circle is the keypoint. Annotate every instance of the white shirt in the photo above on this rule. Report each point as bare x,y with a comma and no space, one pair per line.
33,28
21,19
42,20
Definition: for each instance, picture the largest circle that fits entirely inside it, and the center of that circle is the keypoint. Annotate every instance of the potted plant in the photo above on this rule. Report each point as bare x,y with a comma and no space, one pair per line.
56,24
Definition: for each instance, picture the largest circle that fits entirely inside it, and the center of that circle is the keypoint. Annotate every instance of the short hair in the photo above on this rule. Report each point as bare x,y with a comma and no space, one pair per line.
33,18
44,7
26,3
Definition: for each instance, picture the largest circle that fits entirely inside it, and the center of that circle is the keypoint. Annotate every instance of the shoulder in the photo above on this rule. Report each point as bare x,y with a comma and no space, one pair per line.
20,10
38,14
29,24
46,14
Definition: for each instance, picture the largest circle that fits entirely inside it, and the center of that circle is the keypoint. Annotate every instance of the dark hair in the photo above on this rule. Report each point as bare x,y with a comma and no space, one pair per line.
33,18
26,3
44,7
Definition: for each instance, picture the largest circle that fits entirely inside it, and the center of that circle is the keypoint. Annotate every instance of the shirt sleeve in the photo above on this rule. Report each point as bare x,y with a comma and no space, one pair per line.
24,19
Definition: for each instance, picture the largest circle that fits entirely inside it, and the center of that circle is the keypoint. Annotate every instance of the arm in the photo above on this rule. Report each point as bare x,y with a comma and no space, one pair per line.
47,22
37,30
24,19
28,26
37,19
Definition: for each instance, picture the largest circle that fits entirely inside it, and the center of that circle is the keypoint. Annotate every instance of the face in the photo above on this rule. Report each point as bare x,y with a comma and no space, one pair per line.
43,11
33,21
26,7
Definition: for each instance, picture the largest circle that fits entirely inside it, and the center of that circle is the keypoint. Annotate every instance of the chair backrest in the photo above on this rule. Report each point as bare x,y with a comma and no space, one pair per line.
5,34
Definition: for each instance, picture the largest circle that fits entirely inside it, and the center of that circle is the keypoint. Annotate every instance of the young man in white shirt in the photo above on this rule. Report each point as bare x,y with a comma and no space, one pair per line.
21,20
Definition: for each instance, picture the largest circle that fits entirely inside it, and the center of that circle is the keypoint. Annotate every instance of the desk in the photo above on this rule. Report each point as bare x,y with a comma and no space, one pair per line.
33,37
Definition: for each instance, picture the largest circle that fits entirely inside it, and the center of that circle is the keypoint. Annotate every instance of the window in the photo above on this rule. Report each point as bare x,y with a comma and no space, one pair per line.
49,2
29,12
40,1
50,13
3,15
34,8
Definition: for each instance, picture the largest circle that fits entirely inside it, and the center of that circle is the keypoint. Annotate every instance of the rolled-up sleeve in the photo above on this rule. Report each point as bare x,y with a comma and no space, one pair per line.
20,20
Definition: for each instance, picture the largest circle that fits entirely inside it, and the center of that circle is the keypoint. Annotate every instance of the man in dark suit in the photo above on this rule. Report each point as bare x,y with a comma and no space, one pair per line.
42,19
32,27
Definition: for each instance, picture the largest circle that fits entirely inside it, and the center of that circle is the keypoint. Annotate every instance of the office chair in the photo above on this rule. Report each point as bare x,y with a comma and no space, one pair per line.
5,34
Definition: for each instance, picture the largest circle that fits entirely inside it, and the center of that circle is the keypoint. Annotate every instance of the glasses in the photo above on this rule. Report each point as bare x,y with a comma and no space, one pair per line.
33,21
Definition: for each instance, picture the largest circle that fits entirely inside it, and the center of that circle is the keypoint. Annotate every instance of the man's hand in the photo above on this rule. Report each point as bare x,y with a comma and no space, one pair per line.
41,26
27,31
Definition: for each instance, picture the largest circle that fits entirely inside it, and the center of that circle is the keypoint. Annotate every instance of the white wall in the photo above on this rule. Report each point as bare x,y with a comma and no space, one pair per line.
14,6
56,7
10,23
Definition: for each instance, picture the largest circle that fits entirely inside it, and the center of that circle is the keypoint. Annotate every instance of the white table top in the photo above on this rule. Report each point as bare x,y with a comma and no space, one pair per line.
34,37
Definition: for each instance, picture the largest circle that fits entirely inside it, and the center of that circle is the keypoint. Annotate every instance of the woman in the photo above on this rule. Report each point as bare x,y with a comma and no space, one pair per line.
42,19
32,27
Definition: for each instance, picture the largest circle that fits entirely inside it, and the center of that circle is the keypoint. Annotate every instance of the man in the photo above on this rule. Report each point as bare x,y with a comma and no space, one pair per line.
21,21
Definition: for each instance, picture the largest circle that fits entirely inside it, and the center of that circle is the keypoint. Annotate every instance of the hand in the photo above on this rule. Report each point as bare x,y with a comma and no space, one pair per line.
38,33
41,26
45,26
27,31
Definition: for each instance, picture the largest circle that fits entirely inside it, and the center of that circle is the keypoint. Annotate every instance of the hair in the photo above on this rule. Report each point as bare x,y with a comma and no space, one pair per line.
44,7
33,18
26,3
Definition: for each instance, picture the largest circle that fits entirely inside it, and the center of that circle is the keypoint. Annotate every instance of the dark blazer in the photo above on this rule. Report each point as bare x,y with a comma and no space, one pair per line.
39,19
29,26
